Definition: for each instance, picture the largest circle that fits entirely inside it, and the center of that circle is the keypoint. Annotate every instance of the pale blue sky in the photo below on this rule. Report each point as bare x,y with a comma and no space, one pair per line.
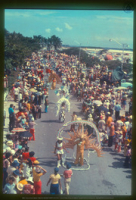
88,27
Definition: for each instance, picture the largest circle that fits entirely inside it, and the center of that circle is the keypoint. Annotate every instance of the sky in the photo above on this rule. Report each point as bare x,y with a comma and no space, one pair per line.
74,27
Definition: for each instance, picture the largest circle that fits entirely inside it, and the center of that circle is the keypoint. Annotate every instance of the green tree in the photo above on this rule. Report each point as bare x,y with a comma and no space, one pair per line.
56,42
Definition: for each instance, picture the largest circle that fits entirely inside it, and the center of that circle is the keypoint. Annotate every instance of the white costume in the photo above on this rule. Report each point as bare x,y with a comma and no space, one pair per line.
58,146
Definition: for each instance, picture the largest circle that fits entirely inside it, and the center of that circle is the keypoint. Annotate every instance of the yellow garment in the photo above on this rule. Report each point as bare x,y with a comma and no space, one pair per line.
36,176
55,178
80,153
28,106
108,122
24,182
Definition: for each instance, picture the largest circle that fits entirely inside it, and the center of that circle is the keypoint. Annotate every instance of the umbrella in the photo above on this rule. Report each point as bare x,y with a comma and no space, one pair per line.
25,134
33,90
18,130
100,108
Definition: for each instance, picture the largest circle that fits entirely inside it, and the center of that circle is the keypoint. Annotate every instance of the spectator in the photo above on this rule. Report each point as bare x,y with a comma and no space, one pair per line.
37,173
6,165
29,187
112,133
117,110
9,186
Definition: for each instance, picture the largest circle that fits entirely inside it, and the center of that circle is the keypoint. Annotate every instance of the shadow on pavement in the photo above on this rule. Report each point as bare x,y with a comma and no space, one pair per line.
45,192
117,154
49,121
49,163
108,149
46,158
117,165
129,176
128,171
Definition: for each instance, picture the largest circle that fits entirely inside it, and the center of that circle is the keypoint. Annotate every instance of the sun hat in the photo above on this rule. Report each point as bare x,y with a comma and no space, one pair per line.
12,152
59,138
20,186
30,179
15,163
36,162
9,143
16,172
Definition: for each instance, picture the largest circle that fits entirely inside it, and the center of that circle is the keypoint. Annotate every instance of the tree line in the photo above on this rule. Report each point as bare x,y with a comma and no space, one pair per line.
18,47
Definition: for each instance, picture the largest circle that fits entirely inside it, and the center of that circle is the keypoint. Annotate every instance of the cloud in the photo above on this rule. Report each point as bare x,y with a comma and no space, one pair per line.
68,26
59,29
48,30
27,13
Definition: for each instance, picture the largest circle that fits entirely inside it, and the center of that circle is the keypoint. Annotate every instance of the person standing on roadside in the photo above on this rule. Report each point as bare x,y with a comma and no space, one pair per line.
37,173
11,118
117,110
46,104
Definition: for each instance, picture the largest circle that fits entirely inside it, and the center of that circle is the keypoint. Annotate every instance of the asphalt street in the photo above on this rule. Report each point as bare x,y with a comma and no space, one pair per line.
106,175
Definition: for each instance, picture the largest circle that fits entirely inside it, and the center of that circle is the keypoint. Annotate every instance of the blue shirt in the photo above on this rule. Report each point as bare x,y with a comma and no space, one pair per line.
11,110
117,107
8,187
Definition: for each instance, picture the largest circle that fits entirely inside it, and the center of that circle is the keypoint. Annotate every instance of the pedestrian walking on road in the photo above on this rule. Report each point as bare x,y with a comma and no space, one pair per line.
55,182
67,178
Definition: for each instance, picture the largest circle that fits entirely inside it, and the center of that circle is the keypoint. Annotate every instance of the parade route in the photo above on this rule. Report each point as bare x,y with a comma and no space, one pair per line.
106,175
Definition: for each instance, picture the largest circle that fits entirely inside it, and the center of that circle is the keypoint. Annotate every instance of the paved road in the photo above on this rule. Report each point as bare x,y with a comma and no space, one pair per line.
106,175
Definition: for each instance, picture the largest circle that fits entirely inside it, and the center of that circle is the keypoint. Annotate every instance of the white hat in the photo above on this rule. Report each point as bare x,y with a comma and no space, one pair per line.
60,138
8,149
9,143
12,152
20,186
30,179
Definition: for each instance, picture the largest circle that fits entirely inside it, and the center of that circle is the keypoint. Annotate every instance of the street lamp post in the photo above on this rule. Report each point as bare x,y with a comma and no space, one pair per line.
123,45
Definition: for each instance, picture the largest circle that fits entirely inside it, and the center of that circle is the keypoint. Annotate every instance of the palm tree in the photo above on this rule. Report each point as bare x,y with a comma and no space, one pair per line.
56,42
49,44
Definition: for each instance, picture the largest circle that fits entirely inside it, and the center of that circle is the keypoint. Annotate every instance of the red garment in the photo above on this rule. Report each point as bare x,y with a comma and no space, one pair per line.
38,187
25,155
32,131
18,114
32,159
29,189
67,173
